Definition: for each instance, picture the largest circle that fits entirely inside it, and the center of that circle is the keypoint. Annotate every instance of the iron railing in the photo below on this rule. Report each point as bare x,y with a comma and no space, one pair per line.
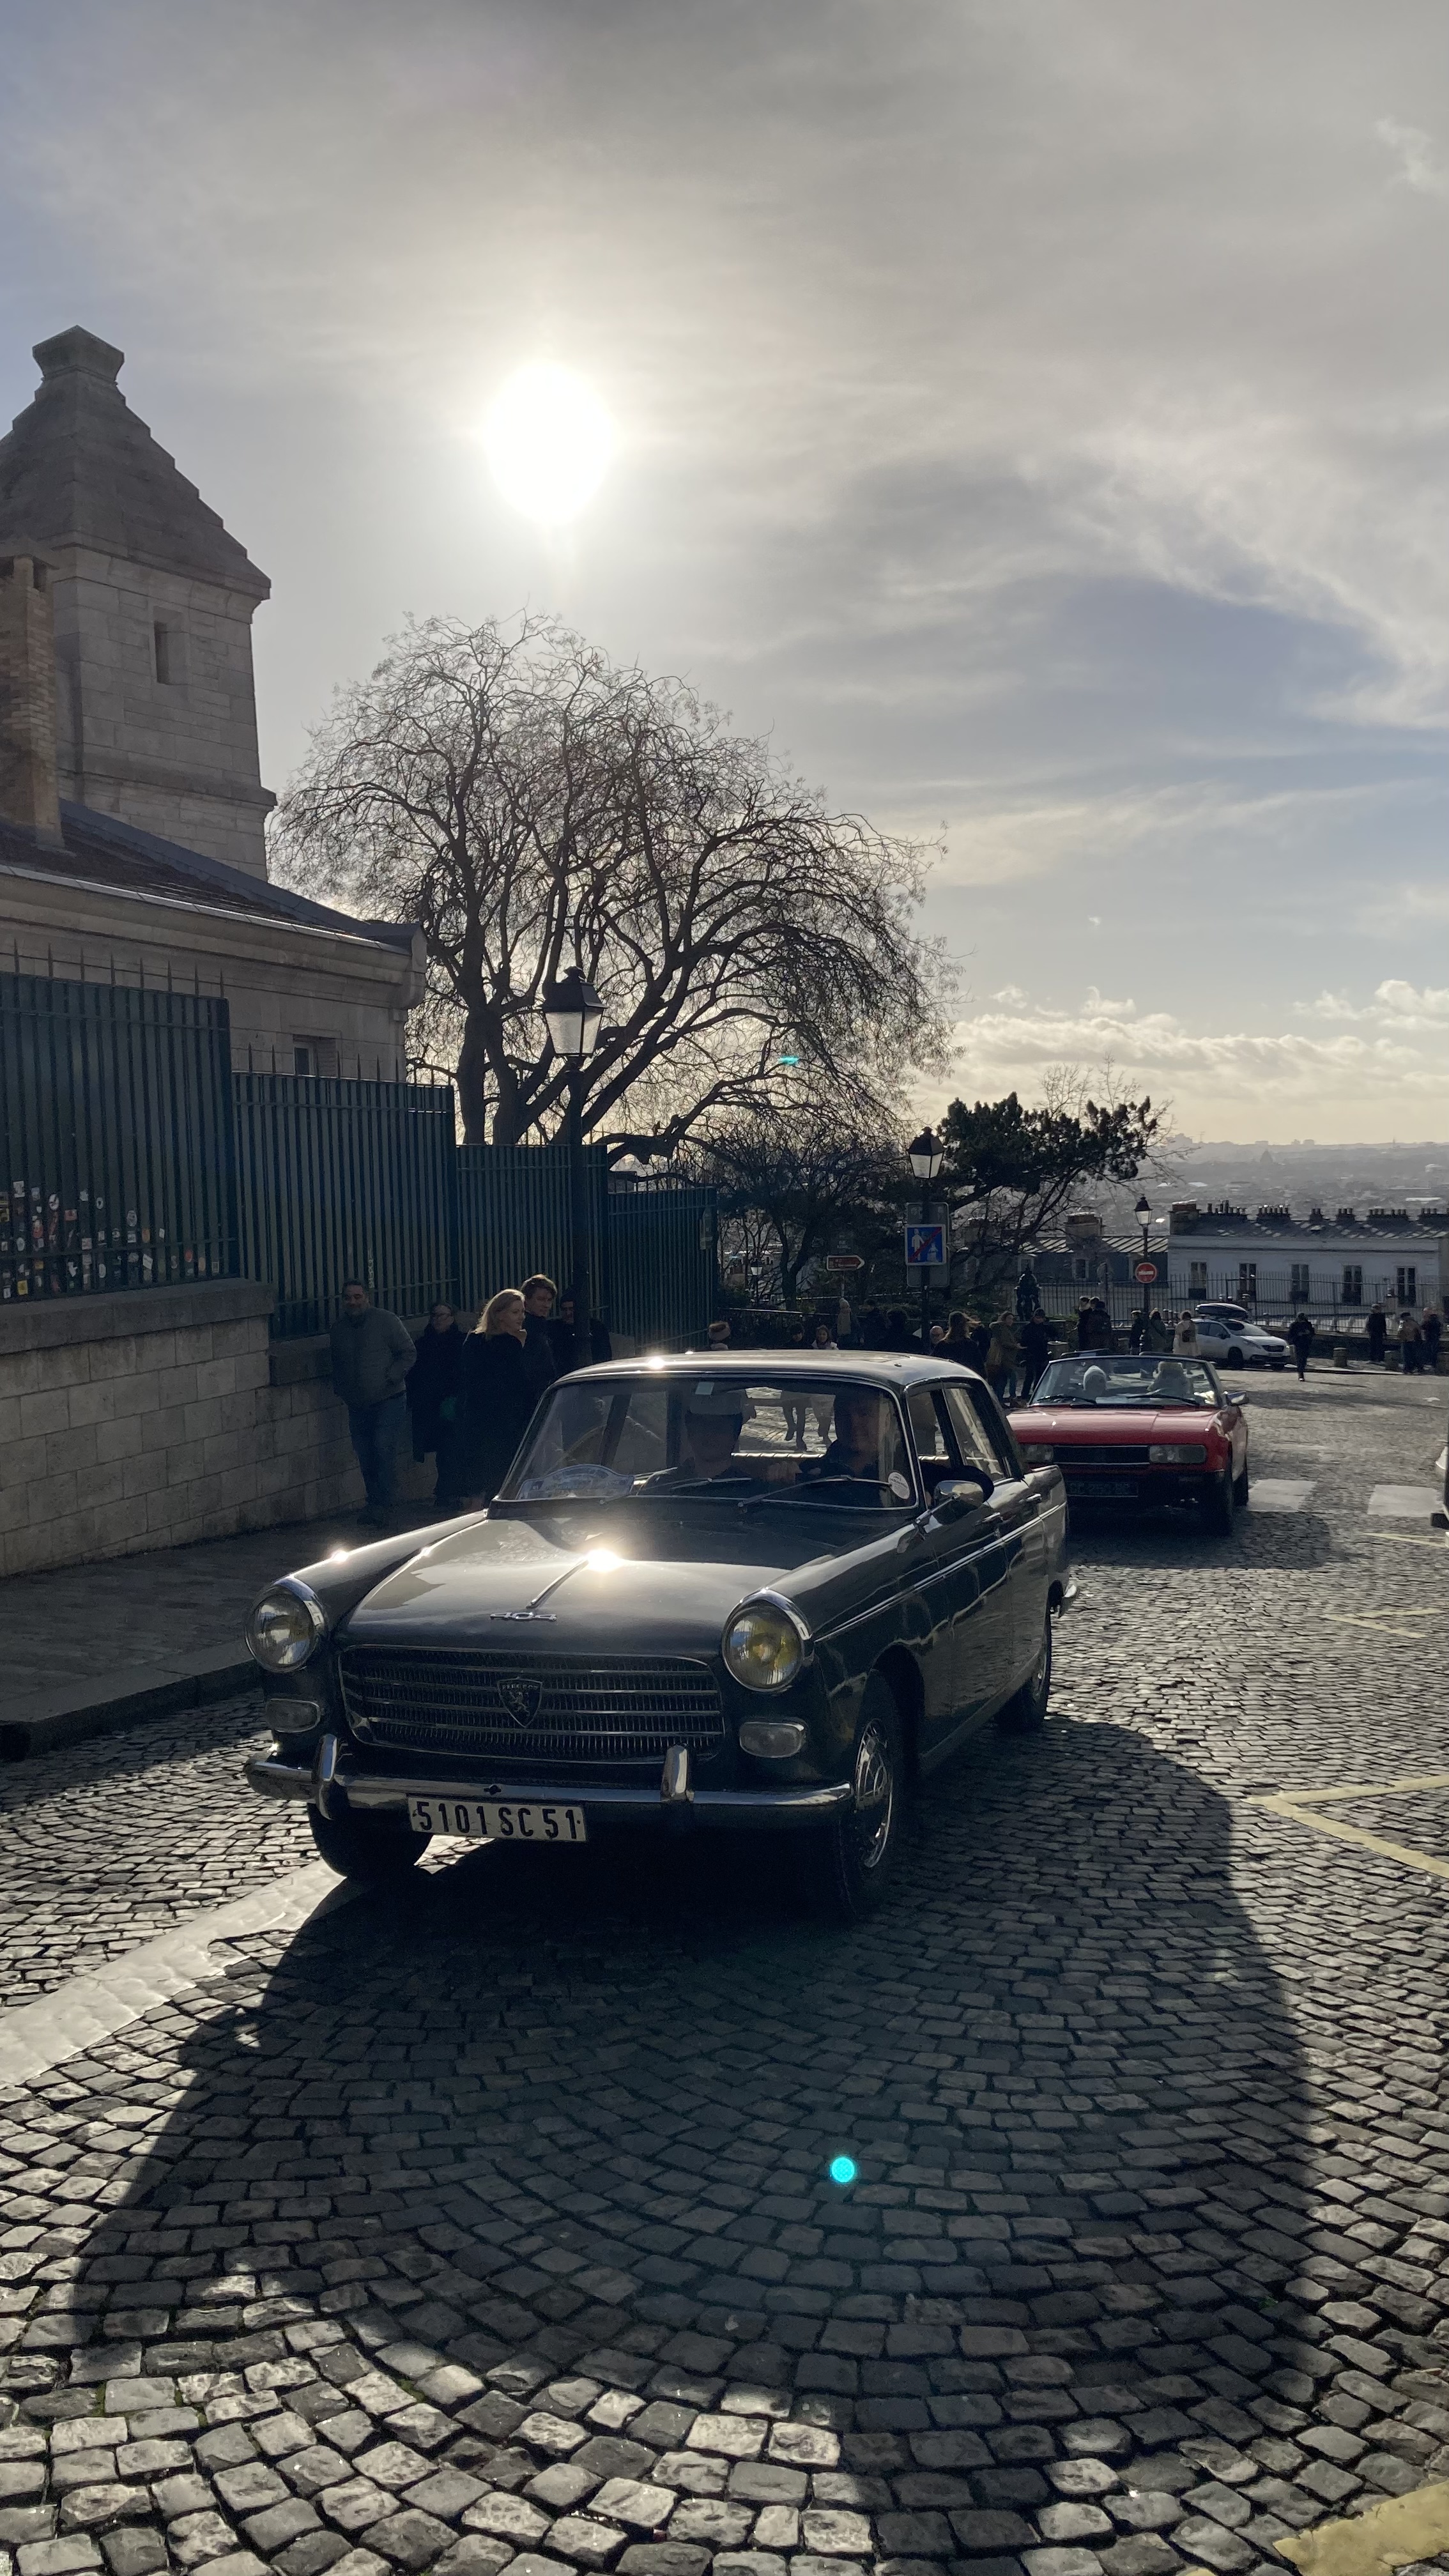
663,1264
116,1133
514,1220
340,1180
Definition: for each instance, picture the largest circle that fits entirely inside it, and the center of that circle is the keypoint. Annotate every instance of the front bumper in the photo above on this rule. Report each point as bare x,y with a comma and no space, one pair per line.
337,1782
1141,1487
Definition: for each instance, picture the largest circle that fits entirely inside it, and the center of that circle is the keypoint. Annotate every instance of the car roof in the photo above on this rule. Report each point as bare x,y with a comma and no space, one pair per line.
875,1368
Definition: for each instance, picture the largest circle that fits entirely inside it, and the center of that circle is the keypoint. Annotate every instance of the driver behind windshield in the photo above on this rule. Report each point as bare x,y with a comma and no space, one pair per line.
864,1450
713,1420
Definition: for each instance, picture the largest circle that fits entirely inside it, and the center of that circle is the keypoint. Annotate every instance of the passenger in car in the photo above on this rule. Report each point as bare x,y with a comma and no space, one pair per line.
865,1451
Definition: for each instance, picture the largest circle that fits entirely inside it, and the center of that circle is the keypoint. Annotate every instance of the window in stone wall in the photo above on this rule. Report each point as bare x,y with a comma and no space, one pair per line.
1353,1283
167,645
1298,1287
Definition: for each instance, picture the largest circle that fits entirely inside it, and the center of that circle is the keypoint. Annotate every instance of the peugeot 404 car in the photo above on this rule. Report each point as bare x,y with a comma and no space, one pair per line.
714,1592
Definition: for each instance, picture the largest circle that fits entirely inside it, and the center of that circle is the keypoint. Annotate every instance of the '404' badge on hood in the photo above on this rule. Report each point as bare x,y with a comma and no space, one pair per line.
521,1697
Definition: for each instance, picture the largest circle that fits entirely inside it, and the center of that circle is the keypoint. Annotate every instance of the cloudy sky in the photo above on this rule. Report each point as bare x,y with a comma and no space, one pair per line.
1035,414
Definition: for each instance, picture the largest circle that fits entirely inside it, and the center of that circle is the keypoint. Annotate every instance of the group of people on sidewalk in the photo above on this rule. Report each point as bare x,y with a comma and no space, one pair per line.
468,1394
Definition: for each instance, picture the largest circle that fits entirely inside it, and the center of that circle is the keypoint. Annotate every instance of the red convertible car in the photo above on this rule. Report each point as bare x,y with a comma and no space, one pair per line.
1137,1429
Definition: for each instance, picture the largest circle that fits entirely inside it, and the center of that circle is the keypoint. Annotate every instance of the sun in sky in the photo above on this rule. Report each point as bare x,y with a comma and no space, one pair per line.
550,442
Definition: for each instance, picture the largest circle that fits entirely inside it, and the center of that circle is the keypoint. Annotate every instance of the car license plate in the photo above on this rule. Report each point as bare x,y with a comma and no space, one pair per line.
481,1820
1107,1489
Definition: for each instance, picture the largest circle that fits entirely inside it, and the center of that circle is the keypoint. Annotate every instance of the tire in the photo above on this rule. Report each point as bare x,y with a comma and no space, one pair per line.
1240,1487
1218,1504
859,1851
1232,1359
376,1851
1026,1710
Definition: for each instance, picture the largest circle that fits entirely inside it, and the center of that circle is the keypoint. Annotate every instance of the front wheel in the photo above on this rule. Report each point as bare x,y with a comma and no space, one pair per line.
1026,1710
859,1849
374,1850
1240,1487
1219,1503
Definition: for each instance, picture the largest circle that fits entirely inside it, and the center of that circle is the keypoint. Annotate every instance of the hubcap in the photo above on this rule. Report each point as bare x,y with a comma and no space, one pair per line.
875,1797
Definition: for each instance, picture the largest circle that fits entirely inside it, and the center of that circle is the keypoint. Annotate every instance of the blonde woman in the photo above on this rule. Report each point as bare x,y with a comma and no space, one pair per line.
1184,1337
496,1400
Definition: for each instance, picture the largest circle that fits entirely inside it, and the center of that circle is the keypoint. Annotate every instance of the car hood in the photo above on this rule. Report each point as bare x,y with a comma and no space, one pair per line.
1101,1426
474,1585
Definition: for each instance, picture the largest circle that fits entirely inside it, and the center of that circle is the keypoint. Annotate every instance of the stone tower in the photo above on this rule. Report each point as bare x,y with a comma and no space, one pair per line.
153,604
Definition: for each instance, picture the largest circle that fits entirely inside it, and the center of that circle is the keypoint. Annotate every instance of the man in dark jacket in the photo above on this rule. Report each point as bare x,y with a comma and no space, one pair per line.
1036,1346
372,1353
540,1364
1433,1330
1378,1334
1301,1335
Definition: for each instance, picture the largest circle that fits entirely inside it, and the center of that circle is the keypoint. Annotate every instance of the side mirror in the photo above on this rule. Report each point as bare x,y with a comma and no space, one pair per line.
957,1495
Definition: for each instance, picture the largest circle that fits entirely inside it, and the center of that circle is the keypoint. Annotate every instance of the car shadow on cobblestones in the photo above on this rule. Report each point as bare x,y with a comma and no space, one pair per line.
563,2123
1267,1542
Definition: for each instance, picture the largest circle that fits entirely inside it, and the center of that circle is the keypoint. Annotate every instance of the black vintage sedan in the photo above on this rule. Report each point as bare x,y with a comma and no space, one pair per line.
713,1591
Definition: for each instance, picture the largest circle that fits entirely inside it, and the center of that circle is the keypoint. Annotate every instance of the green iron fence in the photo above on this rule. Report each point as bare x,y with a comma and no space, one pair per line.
662,1264
116,1134
513,1219
340,1180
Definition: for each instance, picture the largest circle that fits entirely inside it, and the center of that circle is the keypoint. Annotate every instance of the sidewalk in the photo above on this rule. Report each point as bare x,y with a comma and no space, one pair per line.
91,1647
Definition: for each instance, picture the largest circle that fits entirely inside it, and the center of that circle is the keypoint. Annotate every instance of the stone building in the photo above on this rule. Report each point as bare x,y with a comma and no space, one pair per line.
132,810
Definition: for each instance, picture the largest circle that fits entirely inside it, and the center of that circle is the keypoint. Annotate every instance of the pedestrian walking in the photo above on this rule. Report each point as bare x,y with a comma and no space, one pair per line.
978,1341
1157,1332
539,1299
1027,1295
1135,1331
897,1335
1301,1335
496,1399
1184,1338
372,1352
1433,1332
432,1393
1378,1334
1036,1350
1103,1337
844,1322
718,1335
1002,1356
573,1349
1411,1345
1084,1326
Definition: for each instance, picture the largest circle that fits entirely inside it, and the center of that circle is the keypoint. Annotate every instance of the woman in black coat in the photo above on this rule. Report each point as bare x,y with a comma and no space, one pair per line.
432,1388
496,1400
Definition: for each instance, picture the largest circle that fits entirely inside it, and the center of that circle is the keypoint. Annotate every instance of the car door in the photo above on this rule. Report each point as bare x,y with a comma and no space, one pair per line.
946,1577
975,1544
1021,1552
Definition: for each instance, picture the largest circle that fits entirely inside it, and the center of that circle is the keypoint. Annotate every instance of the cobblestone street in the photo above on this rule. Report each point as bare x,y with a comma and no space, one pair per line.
488,2225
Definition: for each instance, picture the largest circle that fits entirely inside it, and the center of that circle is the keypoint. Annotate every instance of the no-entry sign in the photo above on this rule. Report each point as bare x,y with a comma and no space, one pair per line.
1145,1273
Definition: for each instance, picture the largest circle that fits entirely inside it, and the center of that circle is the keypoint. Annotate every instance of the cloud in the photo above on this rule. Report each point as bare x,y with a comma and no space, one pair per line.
1419,165
1382,1047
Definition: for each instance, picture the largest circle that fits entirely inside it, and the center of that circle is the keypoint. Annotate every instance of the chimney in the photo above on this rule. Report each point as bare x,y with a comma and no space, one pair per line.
29,797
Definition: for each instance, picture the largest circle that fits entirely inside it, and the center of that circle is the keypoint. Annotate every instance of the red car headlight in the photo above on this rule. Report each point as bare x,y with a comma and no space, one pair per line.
1037,1453
1177,1453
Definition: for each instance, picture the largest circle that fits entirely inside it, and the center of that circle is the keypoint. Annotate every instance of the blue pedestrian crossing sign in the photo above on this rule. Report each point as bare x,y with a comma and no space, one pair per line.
925,1247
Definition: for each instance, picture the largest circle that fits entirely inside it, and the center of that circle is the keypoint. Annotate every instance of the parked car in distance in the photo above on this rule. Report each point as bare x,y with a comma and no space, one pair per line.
739,1590
1240,1345
1140,1430
1230,1314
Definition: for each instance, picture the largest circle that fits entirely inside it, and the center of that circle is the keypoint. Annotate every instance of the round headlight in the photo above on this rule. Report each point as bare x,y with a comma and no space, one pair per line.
762,1647
284,1627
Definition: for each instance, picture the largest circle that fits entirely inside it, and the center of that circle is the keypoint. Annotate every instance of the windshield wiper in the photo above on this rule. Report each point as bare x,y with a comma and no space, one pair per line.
695,1485
807,1489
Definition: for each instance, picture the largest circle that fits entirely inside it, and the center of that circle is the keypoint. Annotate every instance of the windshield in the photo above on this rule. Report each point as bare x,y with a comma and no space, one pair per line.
1127,1378
722,1439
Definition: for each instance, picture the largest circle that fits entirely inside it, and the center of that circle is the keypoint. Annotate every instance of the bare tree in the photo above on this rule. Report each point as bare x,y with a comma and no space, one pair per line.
532,807
1014,1172
796,1182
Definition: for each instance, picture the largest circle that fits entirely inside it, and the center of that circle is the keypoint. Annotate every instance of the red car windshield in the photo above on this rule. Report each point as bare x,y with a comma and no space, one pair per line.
1123,1378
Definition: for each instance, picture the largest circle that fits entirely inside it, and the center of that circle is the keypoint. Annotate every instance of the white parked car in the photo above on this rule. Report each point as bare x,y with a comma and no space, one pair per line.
1235,1345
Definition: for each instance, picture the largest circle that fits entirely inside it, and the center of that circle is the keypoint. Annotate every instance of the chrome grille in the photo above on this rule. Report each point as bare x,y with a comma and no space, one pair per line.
563,1708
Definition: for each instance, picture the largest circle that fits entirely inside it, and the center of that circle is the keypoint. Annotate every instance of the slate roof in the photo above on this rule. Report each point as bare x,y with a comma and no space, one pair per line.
78,467
100,851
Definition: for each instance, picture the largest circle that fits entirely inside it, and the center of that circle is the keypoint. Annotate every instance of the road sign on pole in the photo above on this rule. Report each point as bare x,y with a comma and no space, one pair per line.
1145,1273
925,1247
845,1261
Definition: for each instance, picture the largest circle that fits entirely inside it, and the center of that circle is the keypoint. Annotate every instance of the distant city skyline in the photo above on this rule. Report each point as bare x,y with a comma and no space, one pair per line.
1032,418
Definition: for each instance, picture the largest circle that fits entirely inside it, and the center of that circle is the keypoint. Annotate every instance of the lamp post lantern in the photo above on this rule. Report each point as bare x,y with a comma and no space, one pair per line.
572,1012
925,1156
1143,1214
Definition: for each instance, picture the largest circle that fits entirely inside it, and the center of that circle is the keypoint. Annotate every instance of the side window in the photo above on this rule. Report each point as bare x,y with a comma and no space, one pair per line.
998,1452
926,1431
971,1438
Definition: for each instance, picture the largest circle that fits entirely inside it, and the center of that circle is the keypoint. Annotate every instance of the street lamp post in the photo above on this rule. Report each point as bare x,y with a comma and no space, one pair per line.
925,1157
1143,1214
572,1012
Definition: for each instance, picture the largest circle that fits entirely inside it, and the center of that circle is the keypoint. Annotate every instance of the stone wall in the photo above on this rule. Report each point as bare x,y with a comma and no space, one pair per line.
146,1420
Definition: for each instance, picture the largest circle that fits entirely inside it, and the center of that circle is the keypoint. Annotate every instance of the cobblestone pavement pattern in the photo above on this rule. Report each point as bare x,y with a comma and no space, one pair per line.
489,2227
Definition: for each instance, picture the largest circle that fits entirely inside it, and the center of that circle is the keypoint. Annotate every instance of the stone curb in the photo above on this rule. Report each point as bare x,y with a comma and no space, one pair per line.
43,1721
